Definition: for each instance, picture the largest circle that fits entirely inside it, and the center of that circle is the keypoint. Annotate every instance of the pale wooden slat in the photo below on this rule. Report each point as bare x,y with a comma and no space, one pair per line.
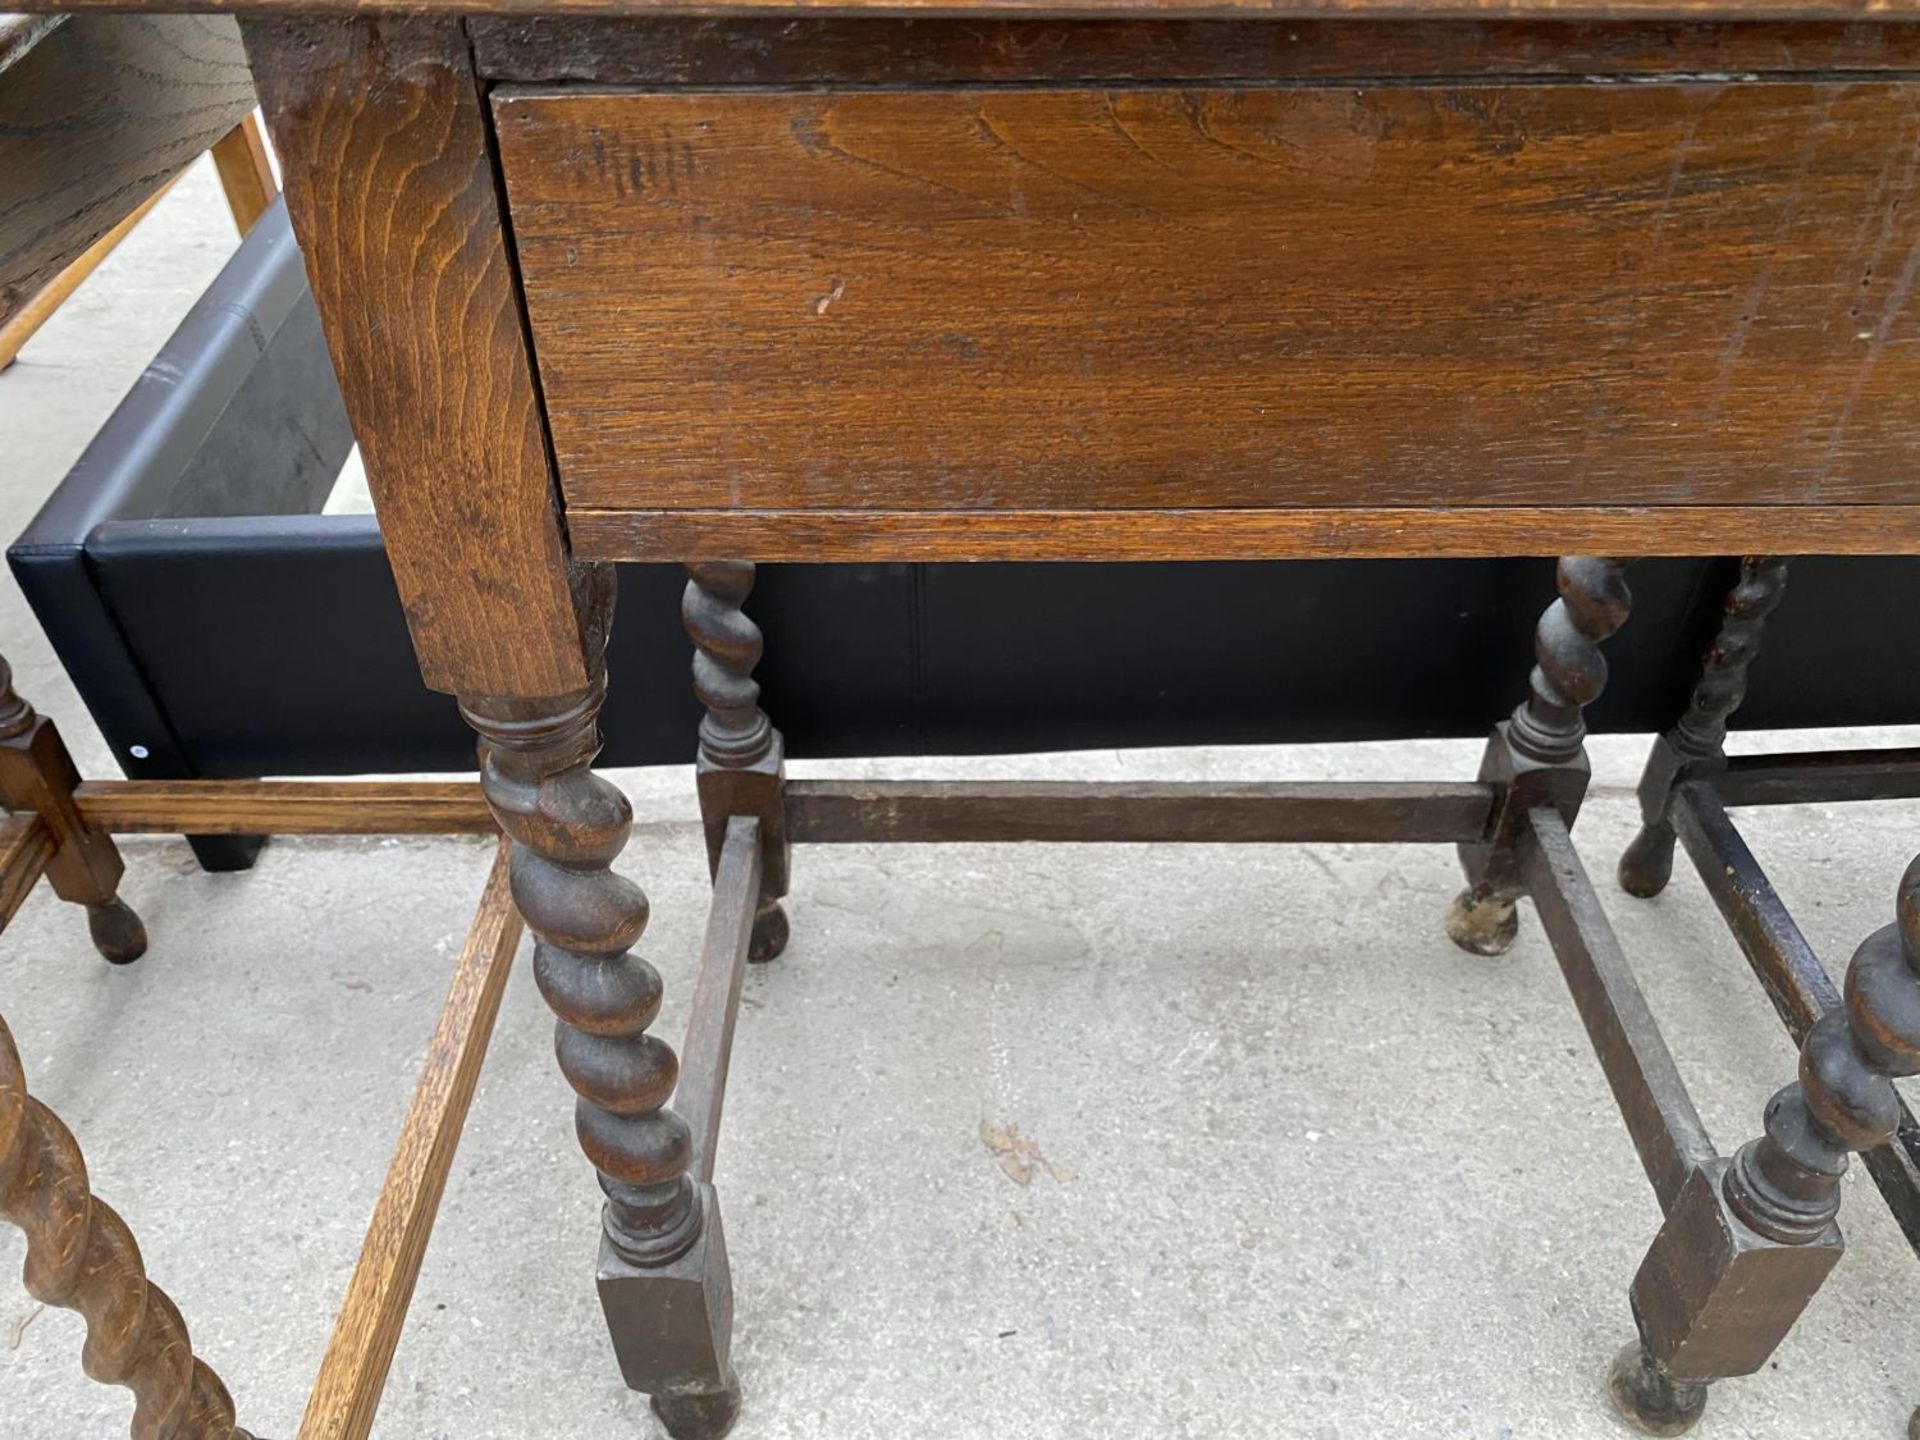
285,807
347,1393
246,175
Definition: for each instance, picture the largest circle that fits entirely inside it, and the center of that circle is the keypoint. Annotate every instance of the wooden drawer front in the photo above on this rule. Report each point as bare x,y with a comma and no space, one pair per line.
1005,300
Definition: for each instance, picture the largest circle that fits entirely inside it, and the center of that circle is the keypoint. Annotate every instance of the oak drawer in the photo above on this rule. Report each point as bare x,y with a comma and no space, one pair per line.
1678,301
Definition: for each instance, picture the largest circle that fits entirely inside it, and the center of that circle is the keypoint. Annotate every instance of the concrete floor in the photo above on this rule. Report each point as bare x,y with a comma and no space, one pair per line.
1311,1172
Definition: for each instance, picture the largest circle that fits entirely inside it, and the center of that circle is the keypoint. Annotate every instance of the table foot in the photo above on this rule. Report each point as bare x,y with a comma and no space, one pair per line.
1646,865
1482,923
704,1416
1651,1400
770,933
118,933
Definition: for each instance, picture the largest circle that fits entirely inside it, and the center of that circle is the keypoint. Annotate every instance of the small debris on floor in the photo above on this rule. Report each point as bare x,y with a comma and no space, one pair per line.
1018,1155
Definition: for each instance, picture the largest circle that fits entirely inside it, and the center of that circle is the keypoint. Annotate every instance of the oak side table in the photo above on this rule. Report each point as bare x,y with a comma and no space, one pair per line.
738,281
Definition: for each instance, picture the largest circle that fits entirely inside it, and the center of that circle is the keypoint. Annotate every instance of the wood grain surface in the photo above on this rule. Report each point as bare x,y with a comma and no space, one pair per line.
1230,534
81,1256
41,306
707,1054
26,844
839,49
1004,300
1382,9
347,1392
285,807
97,114
1133,812
383,142
1646,1084
246,174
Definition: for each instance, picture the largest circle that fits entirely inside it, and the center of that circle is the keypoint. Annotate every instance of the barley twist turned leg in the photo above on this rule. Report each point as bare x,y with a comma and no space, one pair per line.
663,1275
1786,1184
1731,1271
1538,757
741,769
81,1256
1694,746
37,774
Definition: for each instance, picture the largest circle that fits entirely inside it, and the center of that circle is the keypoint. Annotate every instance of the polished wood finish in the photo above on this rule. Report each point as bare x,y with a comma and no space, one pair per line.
708,1049
1133,812
81,1256
285,807
1463,296
663,1274
812,49
1152,288
96,114
1225,534
246,174
567,825
347,1392
382,136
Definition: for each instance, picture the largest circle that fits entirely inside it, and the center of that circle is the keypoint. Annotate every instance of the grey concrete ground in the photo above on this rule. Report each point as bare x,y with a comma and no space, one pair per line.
1309,1170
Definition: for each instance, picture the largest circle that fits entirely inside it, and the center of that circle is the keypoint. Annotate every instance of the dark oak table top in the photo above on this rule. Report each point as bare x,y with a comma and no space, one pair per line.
97,112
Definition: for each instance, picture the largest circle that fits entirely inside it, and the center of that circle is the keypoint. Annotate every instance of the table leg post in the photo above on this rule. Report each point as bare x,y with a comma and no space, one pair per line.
1538,757
1694,747
1750,1241
385,119
663,1277
38,775
81,1256
741,768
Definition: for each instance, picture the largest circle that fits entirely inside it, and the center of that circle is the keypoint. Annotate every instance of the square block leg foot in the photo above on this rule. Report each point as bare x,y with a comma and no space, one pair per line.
1712,1299
672,1329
